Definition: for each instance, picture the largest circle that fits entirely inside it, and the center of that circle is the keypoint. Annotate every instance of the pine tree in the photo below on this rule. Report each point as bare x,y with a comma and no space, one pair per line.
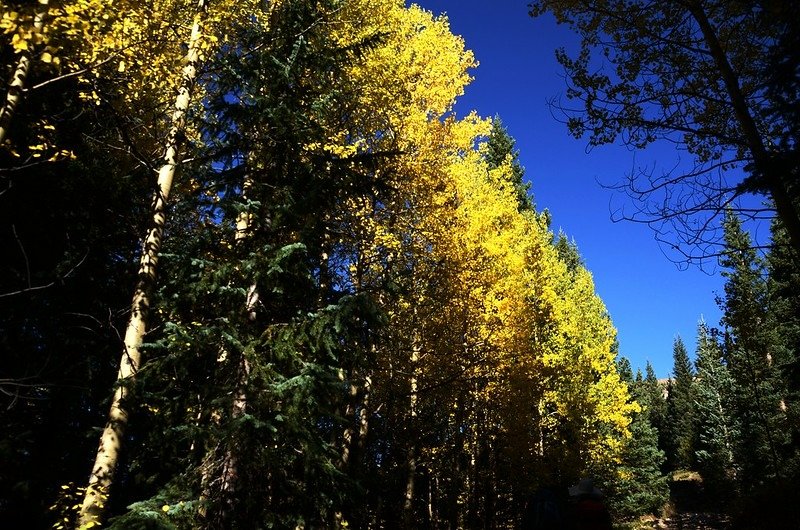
500,150
651,397
642,488
680,413
750,349
755,352
784,317
716,430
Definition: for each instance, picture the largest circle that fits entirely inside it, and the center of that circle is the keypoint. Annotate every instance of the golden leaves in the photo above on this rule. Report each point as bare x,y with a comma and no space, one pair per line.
526,322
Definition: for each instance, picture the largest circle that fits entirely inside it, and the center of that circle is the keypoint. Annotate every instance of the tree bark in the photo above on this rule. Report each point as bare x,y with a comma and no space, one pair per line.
229,468
104,469
363,418
348,437
408,504
18,79
354,441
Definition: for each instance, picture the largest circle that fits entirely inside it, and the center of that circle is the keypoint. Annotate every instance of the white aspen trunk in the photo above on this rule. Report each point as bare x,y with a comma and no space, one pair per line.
408,505
471,486
430,502
17,84
363,417
104,469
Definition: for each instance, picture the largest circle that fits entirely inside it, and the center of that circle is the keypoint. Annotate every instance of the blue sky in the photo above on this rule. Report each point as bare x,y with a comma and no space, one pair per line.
650,300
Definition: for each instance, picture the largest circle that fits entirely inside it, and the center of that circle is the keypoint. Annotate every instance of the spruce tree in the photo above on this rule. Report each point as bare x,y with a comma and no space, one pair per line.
716,430
258,329
499,150
681,416
784,316
642,488
750,353
653,400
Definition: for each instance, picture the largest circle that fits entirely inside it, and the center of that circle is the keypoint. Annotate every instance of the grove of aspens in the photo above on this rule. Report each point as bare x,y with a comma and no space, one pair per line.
257,273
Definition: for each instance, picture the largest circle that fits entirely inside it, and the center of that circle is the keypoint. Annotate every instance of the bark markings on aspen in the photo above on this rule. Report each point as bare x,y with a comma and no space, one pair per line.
104,469
19,77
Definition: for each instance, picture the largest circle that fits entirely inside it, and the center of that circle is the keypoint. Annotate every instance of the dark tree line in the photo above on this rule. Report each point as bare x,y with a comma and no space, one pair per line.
731,415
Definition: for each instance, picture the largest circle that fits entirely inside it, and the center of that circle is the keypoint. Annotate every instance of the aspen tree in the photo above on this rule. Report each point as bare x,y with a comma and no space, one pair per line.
20,75
725,117
412,460
104,469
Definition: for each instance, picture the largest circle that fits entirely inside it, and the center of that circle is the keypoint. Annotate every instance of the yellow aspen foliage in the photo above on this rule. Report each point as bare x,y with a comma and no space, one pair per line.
123,52
481,307
487,296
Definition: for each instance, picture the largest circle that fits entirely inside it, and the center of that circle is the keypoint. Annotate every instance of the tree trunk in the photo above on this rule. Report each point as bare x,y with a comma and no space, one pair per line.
348,437
433,491
354,442
490,489
456,480
228,469
473,495
363,418
229,473
353,445
775,182
18,79
408,504
103,472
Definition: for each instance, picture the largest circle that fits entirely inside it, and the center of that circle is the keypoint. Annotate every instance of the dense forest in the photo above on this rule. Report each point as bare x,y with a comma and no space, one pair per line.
257,273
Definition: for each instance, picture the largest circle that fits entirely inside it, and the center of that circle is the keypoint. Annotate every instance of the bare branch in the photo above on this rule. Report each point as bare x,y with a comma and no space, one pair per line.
48,285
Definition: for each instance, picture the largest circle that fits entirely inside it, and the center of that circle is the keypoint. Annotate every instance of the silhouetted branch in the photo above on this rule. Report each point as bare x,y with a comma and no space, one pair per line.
48,285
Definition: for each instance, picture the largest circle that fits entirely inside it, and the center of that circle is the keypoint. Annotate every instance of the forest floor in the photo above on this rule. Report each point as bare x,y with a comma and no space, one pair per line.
692,510
689,509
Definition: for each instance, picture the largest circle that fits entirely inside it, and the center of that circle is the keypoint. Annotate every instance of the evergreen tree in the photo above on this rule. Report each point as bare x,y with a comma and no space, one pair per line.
500,150
716,430
358,305
568,253
258,324
750,353
642,488
651,394
681,416
625,371
784,316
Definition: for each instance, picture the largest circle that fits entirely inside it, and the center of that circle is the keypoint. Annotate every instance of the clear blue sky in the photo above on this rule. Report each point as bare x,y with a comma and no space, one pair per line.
650,300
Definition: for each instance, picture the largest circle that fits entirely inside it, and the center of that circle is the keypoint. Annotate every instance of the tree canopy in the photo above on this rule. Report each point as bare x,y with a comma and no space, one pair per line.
328,300
700,74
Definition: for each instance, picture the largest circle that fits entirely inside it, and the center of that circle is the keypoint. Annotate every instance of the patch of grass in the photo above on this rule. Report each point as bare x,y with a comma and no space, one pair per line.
646,522
684,474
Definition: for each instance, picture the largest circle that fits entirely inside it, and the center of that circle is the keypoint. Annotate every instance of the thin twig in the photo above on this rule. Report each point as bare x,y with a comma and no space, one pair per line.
40,287
24,255
71,74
